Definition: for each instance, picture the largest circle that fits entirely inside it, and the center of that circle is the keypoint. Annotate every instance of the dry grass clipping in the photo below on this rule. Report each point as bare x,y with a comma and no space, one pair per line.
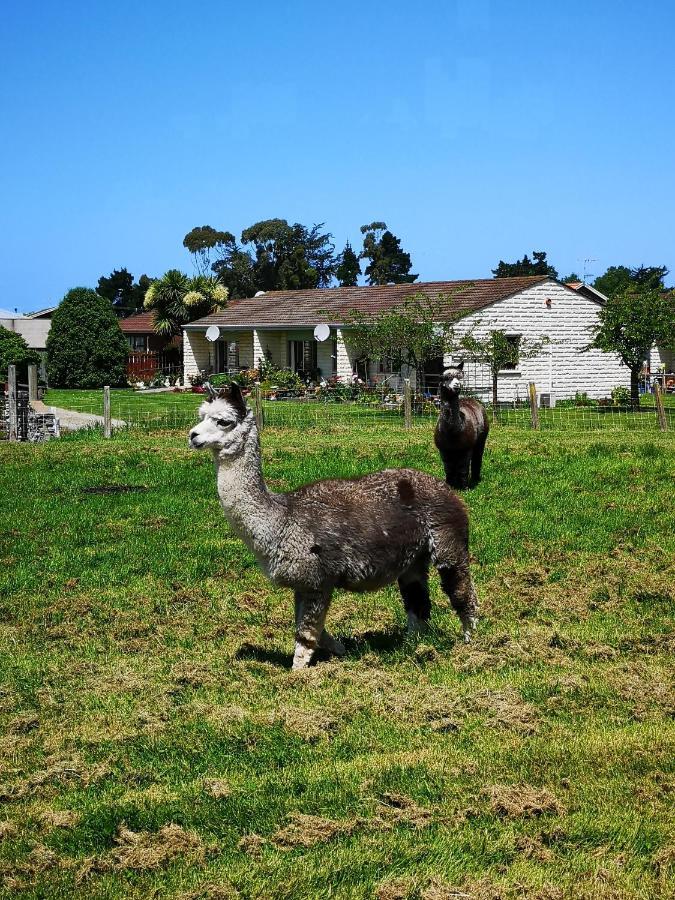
142,851
306,831
522,801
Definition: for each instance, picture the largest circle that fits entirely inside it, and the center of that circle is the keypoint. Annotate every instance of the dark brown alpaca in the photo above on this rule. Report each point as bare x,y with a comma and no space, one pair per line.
461,432
358,534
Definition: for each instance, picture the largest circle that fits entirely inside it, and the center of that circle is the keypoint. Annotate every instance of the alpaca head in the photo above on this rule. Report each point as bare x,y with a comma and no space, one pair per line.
225,422
452,381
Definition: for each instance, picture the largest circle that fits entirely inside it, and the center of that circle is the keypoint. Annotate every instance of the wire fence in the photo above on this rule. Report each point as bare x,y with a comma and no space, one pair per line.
178,410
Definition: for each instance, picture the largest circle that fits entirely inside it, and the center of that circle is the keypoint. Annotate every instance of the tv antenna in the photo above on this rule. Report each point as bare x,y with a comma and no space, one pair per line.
587,274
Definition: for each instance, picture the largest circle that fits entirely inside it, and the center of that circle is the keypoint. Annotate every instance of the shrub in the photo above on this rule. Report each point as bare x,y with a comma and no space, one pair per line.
620,396
85,346
14,351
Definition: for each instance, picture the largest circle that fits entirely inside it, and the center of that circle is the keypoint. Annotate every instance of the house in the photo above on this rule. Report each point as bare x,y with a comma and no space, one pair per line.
33,328
149,352
279,326
661,360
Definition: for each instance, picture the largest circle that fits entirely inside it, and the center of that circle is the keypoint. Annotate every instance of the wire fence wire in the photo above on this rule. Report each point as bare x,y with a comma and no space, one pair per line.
168,410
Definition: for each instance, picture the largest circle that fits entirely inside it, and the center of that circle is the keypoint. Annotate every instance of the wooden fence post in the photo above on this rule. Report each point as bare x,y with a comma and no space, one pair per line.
407,403
660,411
32,383
107,421
533,405
12,401
258,411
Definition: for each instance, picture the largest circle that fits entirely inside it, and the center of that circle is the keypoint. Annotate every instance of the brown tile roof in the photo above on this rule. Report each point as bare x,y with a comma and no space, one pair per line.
141,323
334,305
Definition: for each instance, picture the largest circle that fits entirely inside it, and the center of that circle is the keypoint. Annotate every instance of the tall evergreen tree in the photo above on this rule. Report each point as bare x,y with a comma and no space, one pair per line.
85,345
348,268
538,265
387,261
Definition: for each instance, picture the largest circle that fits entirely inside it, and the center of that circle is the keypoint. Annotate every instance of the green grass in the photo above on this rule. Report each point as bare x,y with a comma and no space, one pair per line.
144,682
178,410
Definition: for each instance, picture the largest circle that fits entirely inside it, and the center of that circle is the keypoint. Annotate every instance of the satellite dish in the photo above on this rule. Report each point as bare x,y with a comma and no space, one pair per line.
259,293
212,333
322,332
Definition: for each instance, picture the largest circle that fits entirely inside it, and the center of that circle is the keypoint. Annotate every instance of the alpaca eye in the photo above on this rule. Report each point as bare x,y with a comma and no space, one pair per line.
224,423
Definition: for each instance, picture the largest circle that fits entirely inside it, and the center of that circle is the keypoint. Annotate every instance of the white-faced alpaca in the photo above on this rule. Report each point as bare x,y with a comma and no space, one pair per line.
359,533
461,431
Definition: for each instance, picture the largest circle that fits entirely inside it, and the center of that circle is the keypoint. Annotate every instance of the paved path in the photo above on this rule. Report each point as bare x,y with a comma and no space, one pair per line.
71,420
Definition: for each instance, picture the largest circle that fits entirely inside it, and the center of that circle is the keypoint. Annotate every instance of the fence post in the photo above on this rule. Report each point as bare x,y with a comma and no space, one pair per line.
533,405
407,403
12,402
32,383
107,422
660,411
258,407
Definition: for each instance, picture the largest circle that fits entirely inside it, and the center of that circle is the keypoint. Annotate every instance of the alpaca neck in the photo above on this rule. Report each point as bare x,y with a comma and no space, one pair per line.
451,414
254,512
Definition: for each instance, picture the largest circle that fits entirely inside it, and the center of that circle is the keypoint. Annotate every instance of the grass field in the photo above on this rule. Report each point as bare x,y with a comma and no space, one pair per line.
154,742
177,410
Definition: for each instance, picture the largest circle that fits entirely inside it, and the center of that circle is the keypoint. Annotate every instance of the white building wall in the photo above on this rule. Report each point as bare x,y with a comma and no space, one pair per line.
563,367
33,331
196,355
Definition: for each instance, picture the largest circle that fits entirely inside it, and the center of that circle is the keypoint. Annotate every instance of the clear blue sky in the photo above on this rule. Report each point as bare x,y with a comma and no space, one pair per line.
475,129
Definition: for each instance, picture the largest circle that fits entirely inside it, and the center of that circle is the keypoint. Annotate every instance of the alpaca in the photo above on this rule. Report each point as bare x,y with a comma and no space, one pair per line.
354,533
461,431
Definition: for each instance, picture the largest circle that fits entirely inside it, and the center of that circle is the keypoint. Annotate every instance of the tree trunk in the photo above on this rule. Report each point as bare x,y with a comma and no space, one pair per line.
634,388
494,396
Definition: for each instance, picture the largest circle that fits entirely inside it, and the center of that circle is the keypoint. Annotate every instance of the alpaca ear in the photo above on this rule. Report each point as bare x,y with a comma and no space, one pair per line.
210,390
233,395
460,366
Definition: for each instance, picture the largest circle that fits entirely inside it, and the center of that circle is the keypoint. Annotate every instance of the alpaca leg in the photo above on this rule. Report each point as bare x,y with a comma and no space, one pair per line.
310,615
457,584
463,471
450,466
477,459
414,587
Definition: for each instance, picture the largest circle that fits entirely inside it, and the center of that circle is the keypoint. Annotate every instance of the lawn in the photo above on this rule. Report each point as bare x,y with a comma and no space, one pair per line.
154,742
177,410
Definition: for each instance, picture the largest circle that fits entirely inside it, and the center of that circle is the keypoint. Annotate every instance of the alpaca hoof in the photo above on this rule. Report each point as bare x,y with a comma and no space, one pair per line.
467,637
416,626
332,645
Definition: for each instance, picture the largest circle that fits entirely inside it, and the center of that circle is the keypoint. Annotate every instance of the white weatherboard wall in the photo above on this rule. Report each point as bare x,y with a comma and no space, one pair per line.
195,353
563,366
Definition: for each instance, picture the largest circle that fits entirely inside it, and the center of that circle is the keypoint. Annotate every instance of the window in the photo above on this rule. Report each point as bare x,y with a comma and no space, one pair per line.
227,356
333,356
302,356
137,342
513,341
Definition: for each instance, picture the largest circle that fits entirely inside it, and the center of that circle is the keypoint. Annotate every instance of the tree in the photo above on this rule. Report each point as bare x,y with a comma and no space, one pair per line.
388,262
348,267
630,323
125,295
289,257
412,334
85,346
201,241
178,299
14,351
499,350
571,278
619,279
282,256
538,265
